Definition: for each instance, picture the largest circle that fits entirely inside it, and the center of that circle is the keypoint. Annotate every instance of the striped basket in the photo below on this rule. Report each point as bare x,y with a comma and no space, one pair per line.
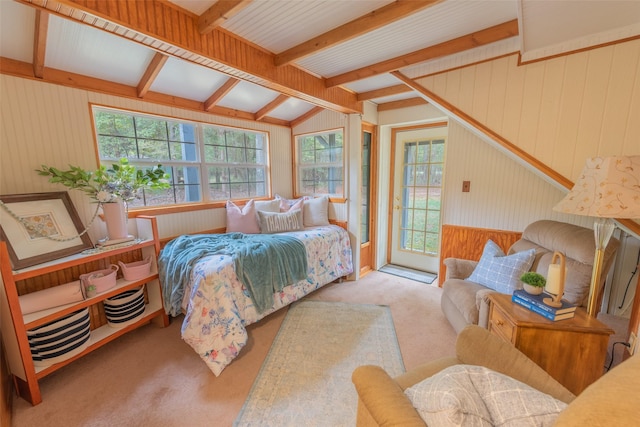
125,308
61,339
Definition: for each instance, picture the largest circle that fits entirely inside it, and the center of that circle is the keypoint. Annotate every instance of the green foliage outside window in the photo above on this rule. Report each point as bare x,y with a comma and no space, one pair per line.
320,164
204,162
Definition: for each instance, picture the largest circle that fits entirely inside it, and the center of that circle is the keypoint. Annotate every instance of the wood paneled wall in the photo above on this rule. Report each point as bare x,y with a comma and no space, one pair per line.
468,243
42,123
561,110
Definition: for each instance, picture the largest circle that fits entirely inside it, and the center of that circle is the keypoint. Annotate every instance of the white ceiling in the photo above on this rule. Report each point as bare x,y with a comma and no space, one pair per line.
546,28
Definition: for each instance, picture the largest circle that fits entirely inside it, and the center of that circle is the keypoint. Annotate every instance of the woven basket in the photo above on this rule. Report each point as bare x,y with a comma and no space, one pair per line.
124,308
136,270
102,280
61,339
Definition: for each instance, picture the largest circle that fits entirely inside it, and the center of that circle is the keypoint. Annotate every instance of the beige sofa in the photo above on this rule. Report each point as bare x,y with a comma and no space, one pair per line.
610,401
464,302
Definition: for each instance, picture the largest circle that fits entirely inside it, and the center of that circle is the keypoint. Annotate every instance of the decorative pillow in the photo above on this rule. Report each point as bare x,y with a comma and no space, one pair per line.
316,212
501,272
268,205
243,221
280,222
478,396
286,204
286,207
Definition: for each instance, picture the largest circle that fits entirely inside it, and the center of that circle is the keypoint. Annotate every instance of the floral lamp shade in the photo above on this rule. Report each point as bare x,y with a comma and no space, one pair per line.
608,187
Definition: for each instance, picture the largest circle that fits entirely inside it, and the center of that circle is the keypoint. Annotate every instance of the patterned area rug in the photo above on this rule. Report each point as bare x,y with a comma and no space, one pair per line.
306,377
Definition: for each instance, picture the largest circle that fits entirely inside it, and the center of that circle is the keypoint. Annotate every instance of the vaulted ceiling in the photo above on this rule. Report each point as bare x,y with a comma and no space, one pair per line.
281,61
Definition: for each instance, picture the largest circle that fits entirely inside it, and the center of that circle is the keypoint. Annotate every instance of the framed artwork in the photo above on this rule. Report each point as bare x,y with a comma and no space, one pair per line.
40,227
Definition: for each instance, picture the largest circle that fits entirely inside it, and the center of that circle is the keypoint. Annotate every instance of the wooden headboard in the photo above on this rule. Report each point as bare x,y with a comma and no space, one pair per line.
468,243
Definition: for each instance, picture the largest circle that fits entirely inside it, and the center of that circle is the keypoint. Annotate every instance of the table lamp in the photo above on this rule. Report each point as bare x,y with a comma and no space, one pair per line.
555,280
608,187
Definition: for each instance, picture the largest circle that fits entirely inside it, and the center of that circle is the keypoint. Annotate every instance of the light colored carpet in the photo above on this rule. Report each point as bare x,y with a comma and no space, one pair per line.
150,377
409,273
306,378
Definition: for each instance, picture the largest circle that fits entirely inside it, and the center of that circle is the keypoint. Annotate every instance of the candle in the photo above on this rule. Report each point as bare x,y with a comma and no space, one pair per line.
553,279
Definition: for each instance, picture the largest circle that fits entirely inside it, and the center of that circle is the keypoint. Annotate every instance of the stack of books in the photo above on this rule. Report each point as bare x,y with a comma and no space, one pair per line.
536,304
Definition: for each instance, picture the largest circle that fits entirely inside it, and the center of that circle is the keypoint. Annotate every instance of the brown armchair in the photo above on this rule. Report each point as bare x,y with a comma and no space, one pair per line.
612,400
464,302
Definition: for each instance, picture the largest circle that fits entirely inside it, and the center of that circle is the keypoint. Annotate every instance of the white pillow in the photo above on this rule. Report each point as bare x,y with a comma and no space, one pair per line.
477,396
242,220
316,212
271,222
272,205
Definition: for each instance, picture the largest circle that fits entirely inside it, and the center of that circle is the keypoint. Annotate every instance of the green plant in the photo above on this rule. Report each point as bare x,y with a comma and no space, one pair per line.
104,185
533,279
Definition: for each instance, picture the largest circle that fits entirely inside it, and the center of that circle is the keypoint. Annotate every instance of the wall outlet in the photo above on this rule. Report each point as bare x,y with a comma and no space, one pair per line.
633,340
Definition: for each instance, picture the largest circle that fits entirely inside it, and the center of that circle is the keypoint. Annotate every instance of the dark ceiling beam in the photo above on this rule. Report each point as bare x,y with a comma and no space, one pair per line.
218,13
359,26
156,64
174,31
382,92
479,38
220,93
280,99
40,42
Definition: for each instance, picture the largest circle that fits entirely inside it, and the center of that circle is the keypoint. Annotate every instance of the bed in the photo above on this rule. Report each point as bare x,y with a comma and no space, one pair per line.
218,307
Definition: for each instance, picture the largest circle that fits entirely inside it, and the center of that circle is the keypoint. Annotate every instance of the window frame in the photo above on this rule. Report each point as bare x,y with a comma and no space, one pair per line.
206,202
333,197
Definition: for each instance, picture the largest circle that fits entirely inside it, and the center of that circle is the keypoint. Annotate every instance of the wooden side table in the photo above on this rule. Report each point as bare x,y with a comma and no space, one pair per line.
573,351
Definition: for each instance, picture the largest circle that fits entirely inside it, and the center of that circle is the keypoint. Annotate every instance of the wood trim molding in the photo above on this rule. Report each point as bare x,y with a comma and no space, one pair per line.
40,42
174,31
361,25
152,71
402,103
460,44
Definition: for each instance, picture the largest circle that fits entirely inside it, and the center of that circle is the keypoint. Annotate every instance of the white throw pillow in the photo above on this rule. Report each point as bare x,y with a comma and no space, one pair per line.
272,205
468,395
316,212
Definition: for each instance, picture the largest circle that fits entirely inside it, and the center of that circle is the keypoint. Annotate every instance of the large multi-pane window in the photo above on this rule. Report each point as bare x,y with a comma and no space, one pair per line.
232,163
320,163
423,164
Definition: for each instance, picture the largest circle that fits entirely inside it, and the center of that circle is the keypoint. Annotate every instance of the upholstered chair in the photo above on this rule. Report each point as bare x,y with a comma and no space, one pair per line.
465,302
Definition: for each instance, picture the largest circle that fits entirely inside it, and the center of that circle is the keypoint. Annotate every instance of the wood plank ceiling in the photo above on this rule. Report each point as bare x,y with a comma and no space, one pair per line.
278,62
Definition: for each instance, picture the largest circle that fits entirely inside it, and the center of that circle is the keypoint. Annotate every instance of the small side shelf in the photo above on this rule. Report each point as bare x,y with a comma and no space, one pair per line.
65,271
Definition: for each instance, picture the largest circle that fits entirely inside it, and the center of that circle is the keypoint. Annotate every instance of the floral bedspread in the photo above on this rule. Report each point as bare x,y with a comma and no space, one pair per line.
218,307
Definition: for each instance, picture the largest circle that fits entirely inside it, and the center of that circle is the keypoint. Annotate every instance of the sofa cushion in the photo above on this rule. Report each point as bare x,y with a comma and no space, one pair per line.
610,401
475,395
461,294
501,272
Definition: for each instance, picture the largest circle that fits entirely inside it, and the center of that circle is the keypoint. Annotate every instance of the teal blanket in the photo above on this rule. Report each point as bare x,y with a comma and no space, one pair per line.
264,264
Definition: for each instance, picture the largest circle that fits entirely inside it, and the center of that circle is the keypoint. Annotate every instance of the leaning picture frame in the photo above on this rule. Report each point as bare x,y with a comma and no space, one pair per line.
40,227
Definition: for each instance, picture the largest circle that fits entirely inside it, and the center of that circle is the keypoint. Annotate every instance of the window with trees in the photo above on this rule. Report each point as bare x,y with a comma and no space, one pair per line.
321,163
232,163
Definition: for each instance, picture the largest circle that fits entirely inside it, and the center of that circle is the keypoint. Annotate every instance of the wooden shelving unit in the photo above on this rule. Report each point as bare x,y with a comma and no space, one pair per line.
62,271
